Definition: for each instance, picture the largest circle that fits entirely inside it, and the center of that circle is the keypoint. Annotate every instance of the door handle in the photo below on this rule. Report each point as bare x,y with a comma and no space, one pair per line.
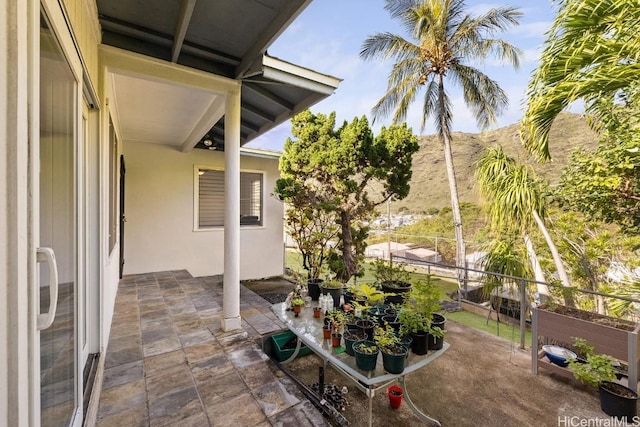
46,255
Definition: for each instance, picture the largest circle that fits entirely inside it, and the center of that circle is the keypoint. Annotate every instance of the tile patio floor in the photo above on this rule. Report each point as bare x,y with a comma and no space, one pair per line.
169,363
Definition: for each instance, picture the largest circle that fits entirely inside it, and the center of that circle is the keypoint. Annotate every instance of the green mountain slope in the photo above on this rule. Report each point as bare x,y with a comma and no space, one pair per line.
429,186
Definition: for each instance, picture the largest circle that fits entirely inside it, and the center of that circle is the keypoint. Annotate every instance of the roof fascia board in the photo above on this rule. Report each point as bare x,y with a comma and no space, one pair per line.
256,152
295,75
276,27
127,62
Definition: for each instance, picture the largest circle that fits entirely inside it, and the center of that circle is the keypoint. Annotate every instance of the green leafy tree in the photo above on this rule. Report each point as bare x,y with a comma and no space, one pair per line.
592,52
444,40
311,228
335,170
606,183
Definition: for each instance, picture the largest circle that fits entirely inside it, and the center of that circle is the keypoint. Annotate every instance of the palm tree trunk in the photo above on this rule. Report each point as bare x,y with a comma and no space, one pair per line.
543,290
556,258
453,187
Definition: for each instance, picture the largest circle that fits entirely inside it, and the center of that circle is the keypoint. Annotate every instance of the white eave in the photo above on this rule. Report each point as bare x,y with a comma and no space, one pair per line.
295,75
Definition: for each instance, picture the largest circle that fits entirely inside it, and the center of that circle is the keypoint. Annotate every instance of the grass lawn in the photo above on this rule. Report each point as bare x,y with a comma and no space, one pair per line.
504,330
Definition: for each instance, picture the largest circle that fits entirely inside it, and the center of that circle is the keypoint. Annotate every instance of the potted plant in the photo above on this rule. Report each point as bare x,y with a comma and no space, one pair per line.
367,294
377,312
350,337
366,326
417,326
394,354
317,312
393,279
366,353
598,370
436,331
419,315
333,288
338,319
297,304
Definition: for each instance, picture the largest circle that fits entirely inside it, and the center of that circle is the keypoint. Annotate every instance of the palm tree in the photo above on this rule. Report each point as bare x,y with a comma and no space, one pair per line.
516,202
592,52
444,39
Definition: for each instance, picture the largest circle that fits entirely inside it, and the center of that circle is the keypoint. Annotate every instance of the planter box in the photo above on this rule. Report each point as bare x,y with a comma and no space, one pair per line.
282,353
548,327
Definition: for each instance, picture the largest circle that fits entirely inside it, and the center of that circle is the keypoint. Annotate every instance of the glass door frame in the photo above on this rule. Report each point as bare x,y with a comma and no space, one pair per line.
58,25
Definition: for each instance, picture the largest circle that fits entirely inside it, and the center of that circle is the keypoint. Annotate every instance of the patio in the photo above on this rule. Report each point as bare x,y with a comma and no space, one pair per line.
169,363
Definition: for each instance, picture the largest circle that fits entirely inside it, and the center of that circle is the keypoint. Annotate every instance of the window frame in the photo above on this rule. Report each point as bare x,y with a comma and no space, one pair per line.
196,198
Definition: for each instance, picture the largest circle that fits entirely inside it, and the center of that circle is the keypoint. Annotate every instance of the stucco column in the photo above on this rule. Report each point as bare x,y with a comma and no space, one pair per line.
231,291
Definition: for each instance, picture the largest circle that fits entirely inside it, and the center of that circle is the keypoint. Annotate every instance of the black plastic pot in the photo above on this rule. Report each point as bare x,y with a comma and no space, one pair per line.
377,313
365,361
436,343
406,341
398,289
335,294
349,296
615,404
350,338
394,363
314,288
420,344
366,326
392,320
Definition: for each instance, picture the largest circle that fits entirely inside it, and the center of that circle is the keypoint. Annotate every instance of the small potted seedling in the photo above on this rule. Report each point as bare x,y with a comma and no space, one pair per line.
297,304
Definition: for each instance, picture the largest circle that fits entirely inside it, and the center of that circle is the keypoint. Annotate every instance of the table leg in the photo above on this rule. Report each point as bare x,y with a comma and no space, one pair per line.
295,352
418,412
370,394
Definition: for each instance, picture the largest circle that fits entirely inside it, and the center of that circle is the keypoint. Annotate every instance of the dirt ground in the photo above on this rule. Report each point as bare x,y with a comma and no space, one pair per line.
481,380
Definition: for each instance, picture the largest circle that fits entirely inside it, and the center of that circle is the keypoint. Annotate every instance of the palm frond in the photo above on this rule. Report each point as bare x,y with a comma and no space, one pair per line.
482,95
592,51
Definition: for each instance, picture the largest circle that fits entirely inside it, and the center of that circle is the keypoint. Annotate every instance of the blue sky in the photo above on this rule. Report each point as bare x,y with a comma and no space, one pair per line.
328,35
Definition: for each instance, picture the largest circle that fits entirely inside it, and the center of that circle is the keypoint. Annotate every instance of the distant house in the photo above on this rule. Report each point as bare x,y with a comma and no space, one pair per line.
381,250
422,254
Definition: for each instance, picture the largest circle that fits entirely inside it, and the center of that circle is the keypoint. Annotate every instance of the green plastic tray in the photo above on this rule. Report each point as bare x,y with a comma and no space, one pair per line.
279,342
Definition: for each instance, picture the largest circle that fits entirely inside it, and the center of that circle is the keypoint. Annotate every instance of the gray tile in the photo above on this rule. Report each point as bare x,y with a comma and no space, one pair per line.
274,398
170,381
246,356
120,398
162,346
123,374
258,374
201,351
212,368
225,387
136,416
157,365
301,415
230,412
175,408
197,337
153,335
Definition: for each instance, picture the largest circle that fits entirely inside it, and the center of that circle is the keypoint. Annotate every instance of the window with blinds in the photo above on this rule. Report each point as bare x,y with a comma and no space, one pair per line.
211,198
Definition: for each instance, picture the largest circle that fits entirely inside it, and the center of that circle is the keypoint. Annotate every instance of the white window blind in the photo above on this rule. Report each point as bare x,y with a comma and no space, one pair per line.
211,198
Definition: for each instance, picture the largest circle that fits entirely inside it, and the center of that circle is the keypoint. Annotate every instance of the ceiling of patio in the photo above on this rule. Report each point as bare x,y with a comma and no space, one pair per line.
224,37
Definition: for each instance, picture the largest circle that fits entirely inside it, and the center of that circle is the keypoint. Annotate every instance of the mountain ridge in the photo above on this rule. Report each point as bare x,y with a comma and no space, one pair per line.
429,185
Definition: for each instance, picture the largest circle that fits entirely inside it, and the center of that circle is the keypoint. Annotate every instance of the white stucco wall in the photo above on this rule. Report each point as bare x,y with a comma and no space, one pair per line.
159,208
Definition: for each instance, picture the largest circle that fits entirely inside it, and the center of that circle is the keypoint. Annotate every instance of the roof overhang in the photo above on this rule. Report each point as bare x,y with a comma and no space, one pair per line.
223,38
